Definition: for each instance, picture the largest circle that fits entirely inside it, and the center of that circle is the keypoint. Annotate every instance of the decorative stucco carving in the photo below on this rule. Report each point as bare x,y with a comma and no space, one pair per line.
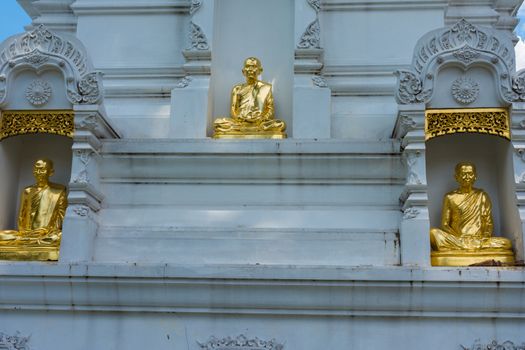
410,88
81,210
240,343
36,59
87,90
319,81
311,38
462,44
316,4
466,54
84,156
412,176
494,345
517,91
38,92
41,47
195,6
410,213
14,342
198,40
184,82
465,90
408,123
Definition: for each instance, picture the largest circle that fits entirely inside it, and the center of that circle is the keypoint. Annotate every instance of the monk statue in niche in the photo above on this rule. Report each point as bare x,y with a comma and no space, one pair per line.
42,209
252,109
465,236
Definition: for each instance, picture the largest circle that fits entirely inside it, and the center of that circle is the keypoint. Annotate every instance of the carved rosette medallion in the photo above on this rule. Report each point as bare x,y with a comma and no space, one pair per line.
34,122
492,121
38,92
240,343
465,90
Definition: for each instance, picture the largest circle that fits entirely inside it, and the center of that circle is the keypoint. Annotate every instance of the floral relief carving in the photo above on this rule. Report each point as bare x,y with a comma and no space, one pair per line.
465,90
198,40
516,93
88,90
240,343
36,58
408,122
42,46
38,92
410,213
316,4
184,82
37,121
494,345
319,81
195,6
410,88
14,342
466,54
81,210
84,156
462,43
311,38
494,121
413,176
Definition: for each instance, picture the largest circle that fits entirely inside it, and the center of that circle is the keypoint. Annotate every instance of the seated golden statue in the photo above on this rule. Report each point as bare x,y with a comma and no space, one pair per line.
252,110
42,209
465,237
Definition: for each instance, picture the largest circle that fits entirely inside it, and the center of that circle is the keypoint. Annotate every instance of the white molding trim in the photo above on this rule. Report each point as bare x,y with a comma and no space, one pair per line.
265,290
129,8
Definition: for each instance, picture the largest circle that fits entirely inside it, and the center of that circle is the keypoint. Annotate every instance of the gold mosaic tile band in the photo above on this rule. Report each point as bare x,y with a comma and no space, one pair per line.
58,122
493,121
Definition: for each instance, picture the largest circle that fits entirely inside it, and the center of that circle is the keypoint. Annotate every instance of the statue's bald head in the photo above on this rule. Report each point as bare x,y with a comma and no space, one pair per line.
460,166
43,168
465,173
252,64
253,60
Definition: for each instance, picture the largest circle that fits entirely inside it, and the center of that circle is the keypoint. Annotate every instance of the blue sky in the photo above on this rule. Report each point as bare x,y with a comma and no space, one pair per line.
12,18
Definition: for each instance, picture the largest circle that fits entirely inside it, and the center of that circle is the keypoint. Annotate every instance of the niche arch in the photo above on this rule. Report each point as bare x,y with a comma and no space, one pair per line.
459,101
51,106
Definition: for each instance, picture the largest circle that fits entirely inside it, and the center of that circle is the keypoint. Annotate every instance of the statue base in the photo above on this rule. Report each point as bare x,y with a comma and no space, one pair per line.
21,253
462,258
261,135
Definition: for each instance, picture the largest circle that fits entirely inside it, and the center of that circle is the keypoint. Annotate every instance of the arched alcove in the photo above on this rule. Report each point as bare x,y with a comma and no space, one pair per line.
459,101
492,156
17,157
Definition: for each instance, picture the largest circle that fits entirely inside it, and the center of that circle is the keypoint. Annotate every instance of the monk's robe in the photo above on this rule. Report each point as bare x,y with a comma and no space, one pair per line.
467,224
251,110
40,218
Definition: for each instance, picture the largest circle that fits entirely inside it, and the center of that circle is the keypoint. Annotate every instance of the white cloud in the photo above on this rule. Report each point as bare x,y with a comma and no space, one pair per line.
520,54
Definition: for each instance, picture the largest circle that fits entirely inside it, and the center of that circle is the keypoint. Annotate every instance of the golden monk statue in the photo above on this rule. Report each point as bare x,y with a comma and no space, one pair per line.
42,209
252,111
465,236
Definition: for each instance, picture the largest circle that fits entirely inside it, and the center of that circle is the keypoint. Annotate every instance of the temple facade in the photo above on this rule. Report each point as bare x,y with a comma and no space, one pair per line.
262,174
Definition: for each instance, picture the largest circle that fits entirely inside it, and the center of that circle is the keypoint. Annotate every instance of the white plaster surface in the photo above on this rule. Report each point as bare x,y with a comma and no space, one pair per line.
298,240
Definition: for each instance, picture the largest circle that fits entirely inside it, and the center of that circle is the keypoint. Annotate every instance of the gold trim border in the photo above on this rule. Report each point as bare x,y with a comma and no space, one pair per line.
492,121
22,122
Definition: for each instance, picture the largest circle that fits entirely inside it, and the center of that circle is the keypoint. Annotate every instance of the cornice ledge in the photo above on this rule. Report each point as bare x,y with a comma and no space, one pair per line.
125,8
349,5
477,293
